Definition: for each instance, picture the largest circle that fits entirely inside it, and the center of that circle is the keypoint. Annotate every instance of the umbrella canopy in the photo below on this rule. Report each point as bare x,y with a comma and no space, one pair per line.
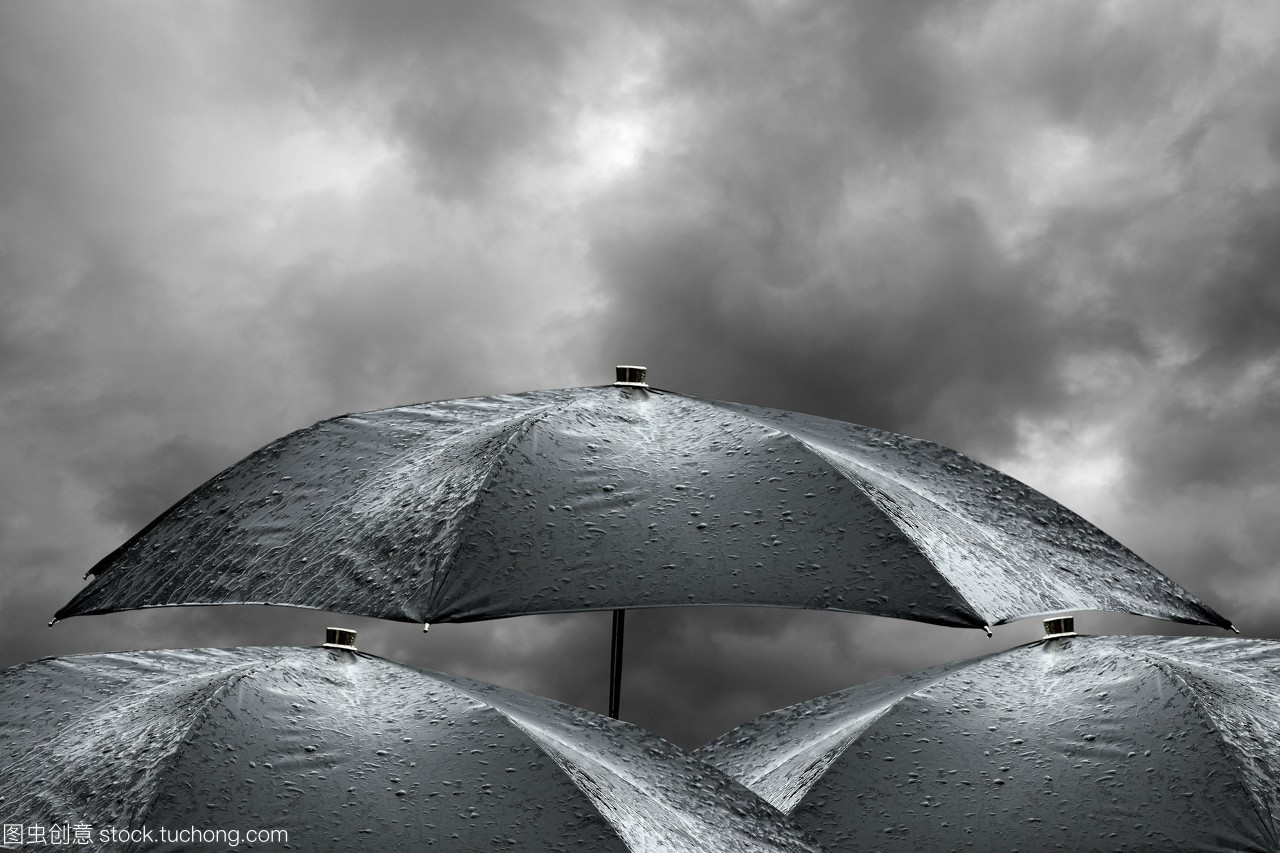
1088,743
345,751
619,497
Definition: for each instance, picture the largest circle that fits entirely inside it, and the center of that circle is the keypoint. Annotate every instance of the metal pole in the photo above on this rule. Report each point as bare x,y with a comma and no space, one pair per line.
615,662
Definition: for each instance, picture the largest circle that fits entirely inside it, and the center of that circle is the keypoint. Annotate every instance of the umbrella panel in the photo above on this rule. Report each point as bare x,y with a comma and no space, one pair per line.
1083,744
705,506
350,751
608,498
1007,550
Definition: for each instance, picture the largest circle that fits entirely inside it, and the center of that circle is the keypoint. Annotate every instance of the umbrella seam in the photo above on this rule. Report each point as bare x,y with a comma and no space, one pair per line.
949,670
1170,672
110,562
843,744
535,412
540,738
1208,615
973,528
573,775
526,423
1198,613
979,618
197,720
548,736
869,491
569,771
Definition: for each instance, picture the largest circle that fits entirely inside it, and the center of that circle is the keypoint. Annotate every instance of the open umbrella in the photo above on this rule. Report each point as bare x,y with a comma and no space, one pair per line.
616,497
1075,743
327,749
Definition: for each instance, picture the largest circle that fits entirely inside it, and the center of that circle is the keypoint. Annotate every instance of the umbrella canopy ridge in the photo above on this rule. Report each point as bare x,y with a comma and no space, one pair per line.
337,748
619,497
1083,743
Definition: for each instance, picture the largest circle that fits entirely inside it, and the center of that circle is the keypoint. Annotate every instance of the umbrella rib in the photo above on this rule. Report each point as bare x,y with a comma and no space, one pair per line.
842,740
543,737
110,561
976,530
871,493
907,530
525,423
794,797
980,619
234,678
580,778
1058,592
1168,669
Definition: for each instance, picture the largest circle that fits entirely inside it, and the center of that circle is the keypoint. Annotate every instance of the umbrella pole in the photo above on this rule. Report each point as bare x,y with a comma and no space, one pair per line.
615,662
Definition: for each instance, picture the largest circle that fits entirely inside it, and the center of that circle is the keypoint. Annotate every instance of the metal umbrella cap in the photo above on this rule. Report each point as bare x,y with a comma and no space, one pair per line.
346,751
1081,743
619,497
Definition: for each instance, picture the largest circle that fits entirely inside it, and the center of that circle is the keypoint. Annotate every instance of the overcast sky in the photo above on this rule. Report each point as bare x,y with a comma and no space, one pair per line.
1046,235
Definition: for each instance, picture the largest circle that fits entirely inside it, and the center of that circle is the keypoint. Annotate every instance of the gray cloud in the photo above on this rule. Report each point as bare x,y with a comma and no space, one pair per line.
464,88
949,346
1239,314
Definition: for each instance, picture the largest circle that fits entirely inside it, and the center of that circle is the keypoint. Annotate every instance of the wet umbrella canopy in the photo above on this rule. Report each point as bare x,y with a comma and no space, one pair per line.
1088,743
619,497
346,751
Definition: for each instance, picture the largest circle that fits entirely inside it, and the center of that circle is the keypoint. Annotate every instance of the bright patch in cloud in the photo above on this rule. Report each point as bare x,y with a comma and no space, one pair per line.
610,144
1078,464
1057,165
272,161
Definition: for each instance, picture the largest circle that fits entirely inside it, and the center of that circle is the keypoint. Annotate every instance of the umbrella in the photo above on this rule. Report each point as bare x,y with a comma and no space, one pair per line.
611,497
343,751
622,496
1078,743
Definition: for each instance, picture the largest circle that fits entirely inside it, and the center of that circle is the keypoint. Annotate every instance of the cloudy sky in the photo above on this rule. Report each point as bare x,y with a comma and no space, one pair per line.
1047,235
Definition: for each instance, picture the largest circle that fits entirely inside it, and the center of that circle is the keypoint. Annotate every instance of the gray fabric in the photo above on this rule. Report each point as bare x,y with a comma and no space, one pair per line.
602,498
1082,744
349,752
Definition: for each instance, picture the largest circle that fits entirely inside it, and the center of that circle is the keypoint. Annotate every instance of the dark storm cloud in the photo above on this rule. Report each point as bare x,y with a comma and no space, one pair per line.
1239,311
738,252
925,324
1089,66
145,489
464,87
920,320
874,68
946,346
1206,442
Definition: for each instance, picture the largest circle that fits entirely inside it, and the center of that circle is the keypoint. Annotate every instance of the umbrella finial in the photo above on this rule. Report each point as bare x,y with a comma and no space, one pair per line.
632,375
340,638
1063,626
